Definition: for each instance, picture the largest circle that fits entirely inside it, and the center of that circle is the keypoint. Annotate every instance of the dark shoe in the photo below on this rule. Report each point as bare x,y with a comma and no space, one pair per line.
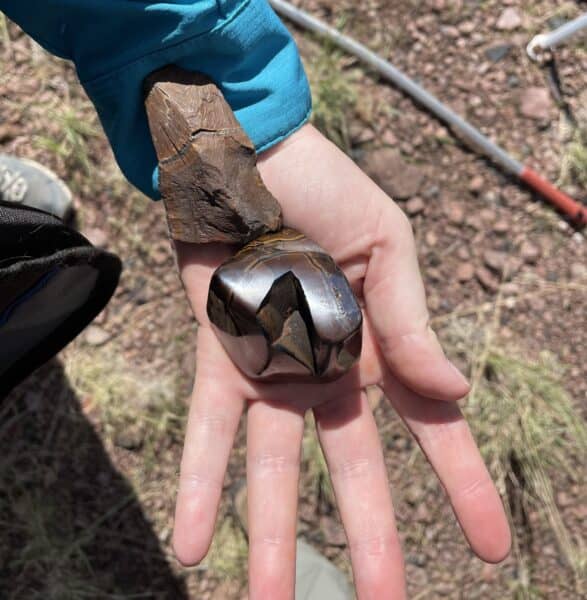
27,183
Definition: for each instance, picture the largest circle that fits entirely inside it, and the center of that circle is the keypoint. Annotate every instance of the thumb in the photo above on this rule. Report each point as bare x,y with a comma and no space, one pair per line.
396,306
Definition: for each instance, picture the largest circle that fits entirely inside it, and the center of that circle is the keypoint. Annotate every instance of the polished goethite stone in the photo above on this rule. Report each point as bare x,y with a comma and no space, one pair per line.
284,310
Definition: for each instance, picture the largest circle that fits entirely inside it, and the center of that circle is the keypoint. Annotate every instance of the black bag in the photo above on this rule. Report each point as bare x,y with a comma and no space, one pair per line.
53,282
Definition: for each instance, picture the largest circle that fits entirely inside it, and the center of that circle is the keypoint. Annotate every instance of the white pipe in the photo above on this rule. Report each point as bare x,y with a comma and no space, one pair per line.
468,133
557,36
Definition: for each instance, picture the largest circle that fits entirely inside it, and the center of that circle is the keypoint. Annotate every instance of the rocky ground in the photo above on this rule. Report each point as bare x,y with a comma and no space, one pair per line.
90,445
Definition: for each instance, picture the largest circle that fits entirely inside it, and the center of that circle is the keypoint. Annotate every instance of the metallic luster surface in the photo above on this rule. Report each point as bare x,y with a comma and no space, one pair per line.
283,309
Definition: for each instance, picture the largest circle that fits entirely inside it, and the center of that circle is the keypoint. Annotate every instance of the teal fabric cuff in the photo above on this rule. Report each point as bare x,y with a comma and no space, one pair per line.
240,44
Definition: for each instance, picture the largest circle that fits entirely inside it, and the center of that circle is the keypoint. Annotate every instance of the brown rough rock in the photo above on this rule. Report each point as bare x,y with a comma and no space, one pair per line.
535,103
414,206
208,177
455,212
476,184
393,174
495,260
502,226
578,271
529,252
96,336
487,279
509,20
465,272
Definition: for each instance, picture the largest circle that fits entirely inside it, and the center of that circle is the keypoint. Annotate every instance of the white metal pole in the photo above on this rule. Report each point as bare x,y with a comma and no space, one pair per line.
469,134
557,36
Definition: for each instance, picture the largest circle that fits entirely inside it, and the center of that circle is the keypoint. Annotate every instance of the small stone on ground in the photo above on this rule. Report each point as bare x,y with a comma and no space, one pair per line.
465,272
495,260
96,336
393,174
415,206
498,52
509,20
487,279
535,103
529,252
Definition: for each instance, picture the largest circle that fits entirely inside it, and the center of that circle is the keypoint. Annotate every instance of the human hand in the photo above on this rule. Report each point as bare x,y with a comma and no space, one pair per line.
325,196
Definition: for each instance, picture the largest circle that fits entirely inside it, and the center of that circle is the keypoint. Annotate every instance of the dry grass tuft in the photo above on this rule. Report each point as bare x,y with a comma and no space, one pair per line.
334,97
228,555
128,400
576,157
314,464
71,145
528,430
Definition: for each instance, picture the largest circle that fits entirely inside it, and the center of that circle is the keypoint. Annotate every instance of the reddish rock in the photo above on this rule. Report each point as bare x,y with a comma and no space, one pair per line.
96,336
502,226
487,215
529,252
455,213
509,20
474,222
414,206
8,132
489,573
361,134
495,260
476,184
487,279
389,138
465,272
431,238
467,27
536,103
392,173
578,271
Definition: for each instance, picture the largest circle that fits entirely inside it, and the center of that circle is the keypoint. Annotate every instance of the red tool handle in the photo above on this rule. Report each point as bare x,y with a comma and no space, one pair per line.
577,212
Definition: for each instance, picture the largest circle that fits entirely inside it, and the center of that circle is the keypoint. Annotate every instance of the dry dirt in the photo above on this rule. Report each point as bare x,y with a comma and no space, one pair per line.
88,485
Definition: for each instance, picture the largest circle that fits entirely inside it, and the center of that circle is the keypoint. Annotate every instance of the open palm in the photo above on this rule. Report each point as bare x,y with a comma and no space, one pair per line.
325,196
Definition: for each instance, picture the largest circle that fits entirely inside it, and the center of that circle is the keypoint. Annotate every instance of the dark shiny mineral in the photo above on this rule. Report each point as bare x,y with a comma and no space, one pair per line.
284,310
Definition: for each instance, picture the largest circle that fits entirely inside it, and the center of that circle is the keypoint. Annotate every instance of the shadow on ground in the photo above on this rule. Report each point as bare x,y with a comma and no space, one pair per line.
70,524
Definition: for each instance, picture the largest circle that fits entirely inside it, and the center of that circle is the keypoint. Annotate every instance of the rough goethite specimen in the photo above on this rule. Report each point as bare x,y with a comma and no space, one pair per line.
208,177
283,309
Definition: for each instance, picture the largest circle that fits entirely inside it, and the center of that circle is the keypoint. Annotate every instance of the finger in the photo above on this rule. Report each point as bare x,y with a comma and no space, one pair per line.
396,305
445,438
215,410
274,439
349,437
352,217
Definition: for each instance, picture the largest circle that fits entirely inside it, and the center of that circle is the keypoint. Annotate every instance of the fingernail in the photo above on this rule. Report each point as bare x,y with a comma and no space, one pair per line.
458,373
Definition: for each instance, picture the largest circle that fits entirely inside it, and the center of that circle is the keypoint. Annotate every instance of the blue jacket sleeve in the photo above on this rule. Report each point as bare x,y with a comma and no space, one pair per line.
240,44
